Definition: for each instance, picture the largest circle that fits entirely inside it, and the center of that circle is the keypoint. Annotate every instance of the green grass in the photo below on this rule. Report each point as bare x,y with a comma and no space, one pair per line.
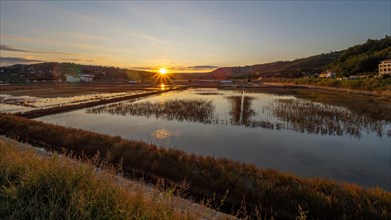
39,187
262,189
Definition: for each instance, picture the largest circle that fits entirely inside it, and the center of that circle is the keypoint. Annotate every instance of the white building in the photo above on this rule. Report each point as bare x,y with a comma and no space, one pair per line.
81,78
70,78
86,78
385,67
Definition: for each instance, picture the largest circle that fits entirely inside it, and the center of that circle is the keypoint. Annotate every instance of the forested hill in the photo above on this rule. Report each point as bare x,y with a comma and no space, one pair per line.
362,58
56,71
354,60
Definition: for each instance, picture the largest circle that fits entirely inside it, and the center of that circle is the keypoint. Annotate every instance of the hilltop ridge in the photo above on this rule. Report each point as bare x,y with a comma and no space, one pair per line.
53,71
353,60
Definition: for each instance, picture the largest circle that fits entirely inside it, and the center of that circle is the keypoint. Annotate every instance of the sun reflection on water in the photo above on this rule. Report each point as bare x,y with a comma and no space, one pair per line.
161,134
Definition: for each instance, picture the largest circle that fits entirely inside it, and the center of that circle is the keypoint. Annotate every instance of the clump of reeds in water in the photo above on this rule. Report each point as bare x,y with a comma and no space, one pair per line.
194,110
316,118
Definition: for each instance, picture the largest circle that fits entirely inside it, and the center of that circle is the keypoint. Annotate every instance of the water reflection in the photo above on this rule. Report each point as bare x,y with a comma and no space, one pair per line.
316,118
161,134
194,110
241,110
280,113
306,137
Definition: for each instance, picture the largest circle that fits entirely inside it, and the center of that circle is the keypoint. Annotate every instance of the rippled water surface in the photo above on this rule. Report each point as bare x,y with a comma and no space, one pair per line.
289,132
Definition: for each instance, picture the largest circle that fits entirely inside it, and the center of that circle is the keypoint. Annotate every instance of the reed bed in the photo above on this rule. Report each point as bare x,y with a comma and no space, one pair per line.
193,110
316,118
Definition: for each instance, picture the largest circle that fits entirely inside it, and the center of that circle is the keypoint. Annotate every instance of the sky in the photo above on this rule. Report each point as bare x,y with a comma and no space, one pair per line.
184,36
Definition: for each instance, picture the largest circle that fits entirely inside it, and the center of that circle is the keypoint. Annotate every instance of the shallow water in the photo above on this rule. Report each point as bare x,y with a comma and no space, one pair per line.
281,131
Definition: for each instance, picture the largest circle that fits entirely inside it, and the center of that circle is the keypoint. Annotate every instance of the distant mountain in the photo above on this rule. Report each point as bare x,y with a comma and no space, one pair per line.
57,71
354,60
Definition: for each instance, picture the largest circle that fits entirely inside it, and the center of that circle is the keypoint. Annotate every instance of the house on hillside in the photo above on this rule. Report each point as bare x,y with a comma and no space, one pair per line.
328,74
385,67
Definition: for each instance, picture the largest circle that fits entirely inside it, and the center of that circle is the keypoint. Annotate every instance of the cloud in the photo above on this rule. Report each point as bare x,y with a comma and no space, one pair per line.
178,68
8,61
13,37
77,60
142,67
197,67
10,48
200,67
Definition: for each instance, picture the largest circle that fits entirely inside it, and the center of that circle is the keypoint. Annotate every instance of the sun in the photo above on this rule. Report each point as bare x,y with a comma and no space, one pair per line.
163,71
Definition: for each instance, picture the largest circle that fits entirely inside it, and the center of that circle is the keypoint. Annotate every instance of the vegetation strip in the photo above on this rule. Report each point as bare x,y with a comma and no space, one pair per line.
48,111
263,188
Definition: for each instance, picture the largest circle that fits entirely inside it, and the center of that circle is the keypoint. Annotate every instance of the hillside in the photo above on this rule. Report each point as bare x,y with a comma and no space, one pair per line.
362,58
354,60
57,71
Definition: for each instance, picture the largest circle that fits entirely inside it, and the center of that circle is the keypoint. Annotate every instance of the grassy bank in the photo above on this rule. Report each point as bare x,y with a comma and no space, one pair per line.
33,186
379,85
262,189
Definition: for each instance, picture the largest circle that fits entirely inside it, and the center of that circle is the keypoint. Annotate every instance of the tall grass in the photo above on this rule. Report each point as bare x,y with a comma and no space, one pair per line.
263,189
36,187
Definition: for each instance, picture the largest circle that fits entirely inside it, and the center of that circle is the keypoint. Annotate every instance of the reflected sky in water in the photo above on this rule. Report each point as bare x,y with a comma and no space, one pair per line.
272,131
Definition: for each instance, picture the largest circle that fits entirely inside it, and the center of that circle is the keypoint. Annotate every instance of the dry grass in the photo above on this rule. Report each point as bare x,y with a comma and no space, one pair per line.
33,186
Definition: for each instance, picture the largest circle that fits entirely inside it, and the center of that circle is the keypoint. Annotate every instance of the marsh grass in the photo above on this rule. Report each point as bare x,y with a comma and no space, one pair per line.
194,110
266,190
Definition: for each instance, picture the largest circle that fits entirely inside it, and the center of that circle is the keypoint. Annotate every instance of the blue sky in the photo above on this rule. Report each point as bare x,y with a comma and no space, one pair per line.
182,34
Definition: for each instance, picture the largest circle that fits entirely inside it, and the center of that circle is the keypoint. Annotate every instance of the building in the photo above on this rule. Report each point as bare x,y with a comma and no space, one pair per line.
86,78
385,67
70,78
81,78
328,74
